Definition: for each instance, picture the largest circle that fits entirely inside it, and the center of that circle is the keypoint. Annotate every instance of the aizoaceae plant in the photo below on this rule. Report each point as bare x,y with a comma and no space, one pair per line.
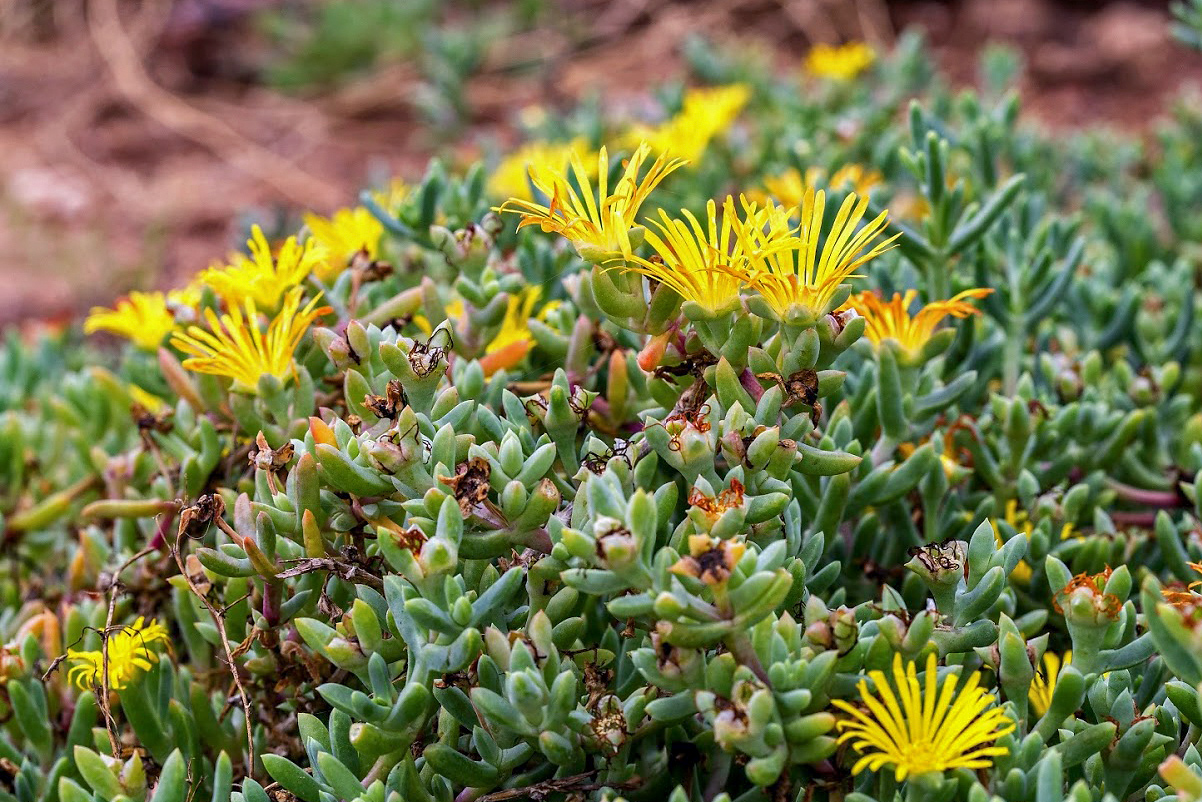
506,522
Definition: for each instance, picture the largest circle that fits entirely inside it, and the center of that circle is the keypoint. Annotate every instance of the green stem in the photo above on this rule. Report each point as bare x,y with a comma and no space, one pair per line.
937,279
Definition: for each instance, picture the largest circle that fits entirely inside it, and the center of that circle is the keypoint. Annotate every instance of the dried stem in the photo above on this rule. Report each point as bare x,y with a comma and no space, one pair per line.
219,621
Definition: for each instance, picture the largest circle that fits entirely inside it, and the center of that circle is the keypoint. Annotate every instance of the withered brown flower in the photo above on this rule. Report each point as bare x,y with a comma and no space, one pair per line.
470,483
709,559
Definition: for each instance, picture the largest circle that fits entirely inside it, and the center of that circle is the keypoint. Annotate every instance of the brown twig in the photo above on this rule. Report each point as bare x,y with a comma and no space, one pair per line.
102,701
345,571
119,53
577,782
219,621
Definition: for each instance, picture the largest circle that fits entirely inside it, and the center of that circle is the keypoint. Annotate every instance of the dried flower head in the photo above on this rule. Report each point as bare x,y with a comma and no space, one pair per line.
470,483
1187,598
709,559
1103,606
713,506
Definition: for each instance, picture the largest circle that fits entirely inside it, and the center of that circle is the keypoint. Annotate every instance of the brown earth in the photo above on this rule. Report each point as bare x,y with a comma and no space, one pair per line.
132,135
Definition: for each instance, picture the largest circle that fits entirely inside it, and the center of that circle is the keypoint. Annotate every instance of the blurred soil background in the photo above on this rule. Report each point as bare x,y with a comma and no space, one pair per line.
134,134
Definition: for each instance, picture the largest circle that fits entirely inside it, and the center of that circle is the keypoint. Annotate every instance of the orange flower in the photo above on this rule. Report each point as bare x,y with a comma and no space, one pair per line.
891,320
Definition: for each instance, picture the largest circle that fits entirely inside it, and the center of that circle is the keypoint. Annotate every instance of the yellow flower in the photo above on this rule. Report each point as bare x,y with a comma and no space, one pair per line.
142,317
187,297
703,264
948,458
339,239
704,114
391,198
514,340
510,178
789,188
148,401
1044,684
1022,523
923,727
805,279
598,226
261,277
235,347
862,180
129,654
892,320
841,63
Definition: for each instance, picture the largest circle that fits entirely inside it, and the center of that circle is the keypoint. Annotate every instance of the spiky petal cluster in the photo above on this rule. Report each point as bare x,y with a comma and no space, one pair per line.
262,277
511,178
129,653
1044,684
841,63
920,727
804,280
891,320
789,187
235,347
596,222
343,236
704,114
704,263
514,340
142,317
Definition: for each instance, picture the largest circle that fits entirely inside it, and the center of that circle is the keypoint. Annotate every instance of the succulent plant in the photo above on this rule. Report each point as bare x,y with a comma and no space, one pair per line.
882,491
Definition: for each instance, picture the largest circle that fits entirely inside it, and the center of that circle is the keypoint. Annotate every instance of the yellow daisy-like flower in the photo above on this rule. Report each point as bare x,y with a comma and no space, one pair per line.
187,297
513,341
789,188
948,458
510,178
141,317
841,63
1022,523
148,401
262,277
598,225
392,197
804,280
860,179
1044,684
340,238
891,320
235,347
704,263
922,727
129,654
704,114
